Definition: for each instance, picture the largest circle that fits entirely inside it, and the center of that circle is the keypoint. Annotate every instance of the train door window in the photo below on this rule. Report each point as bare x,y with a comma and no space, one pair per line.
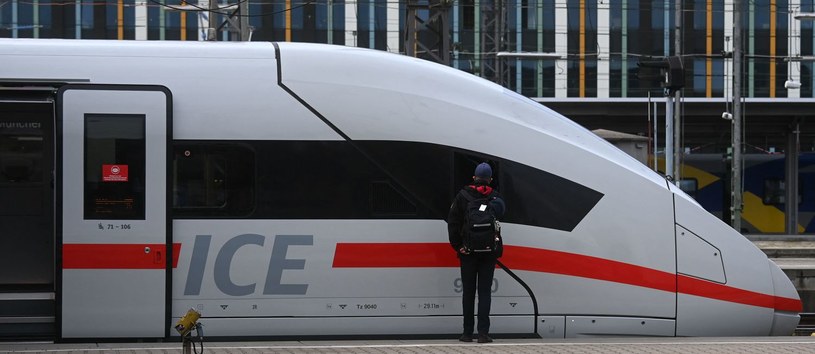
775,191
114,166
689,186
26,195
213,180
21,156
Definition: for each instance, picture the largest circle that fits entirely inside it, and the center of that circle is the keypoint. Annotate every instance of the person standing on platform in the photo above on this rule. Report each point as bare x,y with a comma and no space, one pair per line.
474,234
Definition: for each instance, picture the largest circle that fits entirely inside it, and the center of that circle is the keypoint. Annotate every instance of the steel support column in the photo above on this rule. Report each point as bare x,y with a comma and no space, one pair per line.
428,38
736,189
493,31
791,180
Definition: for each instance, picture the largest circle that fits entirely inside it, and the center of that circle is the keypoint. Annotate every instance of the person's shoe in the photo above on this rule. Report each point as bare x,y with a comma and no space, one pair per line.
465,338
483,338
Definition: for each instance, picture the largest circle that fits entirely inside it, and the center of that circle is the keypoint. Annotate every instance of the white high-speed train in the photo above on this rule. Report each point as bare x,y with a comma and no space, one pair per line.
286,189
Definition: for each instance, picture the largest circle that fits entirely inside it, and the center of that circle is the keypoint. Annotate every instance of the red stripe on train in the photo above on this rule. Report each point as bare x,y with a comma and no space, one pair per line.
423,255
700,287
117,256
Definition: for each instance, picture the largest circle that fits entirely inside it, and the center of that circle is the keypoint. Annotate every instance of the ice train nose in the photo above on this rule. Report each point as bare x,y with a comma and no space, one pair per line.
786,301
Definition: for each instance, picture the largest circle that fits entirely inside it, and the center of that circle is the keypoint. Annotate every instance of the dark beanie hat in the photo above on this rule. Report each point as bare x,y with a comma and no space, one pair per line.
483,170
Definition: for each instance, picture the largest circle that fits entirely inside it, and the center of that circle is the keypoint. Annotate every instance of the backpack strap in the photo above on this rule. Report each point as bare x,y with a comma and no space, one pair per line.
469,199
466,195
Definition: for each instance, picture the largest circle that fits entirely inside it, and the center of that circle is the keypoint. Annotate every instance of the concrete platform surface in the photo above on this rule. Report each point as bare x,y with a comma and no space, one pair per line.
795,263
757,345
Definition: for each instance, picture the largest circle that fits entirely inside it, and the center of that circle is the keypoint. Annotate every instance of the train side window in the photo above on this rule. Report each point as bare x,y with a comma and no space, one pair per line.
539,198
386,200
212,180
114,166
414,179
775,191
199,180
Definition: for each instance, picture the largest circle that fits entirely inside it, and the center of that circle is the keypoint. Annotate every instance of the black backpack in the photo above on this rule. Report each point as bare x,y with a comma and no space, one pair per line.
481,232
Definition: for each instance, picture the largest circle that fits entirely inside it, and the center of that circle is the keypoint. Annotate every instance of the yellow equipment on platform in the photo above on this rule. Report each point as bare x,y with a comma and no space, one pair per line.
188,322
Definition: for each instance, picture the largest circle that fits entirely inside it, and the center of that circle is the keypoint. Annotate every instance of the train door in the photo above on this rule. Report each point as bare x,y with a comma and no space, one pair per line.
113,207
26,214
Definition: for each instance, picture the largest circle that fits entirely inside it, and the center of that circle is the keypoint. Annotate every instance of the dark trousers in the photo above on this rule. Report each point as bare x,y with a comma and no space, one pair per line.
477,270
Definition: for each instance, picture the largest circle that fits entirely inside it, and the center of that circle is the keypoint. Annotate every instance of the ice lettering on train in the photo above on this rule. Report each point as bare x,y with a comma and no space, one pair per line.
223,261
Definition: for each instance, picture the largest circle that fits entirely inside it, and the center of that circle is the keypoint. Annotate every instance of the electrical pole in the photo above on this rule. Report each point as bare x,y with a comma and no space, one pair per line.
677,117
669,135
735,175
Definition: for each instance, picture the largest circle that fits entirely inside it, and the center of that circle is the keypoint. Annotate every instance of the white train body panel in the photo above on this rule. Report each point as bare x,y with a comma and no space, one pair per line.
620,269
202,79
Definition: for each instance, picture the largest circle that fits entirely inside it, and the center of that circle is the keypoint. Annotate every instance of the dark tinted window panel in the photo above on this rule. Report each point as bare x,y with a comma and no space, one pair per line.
114,166
434,173
386,200
539,198
321,180
421,171
533,197
24,170
199,180
382,180
775,192
213,179
315,179
26,195
21,151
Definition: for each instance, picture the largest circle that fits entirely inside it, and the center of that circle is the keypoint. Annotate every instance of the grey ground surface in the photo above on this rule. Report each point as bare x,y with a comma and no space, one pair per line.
758,345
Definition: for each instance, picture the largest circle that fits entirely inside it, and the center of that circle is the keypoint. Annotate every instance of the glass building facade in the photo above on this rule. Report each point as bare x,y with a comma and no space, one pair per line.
598,43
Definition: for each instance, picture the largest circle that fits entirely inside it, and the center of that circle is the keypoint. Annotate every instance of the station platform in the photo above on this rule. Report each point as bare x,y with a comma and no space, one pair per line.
758,345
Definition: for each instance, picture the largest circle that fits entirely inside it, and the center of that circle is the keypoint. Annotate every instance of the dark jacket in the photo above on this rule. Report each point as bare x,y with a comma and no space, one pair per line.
455,219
